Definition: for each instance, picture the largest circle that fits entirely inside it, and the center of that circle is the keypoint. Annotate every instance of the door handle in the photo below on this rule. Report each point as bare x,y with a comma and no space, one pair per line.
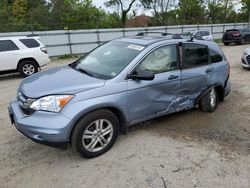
209,70
172,77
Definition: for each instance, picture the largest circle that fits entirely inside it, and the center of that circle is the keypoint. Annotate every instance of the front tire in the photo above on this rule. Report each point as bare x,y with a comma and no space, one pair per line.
95,133
27,68
209,101
226,43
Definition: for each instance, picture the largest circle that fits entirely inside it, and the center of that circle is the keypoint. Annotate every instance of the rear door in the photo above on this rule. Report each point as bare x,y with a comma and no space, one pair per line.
195,73
8,55
148,99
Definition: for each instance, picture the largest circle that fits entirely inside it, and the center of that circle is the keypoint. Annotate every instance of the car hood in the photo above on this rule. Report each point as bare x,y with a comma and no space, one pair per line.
61,80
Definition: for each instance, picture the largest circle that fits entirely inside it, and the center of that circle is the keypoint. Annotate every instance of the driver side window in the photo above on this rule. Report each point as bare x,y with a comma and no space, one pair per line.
161,60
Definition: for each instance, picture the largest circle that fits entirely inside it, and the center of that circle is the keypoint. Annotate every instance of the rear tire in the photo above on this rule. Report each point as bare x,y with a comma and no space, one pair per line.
243,41
95,133
27,68
226,43
209,101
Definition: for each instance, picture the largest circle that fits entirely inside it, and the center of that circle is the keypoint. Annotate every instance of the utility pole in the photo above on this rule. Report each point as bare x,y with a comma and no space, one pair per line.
249,19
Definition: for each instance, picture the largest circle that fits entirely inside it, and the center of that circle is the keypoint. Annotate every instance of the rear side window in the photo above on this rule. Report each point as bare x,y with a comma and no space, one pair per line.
194,55
7,45
205,33
30,43
215,57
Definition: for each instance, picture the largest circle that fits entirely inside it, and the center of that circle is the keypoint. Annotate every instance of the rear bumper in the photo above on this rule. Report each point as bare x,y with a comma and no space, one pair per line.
43,60
231,40
41,127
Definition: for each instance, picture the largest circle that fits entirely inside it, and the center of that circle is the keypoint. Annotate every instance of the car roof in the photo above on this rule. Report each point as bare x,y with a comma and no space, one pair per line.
17,37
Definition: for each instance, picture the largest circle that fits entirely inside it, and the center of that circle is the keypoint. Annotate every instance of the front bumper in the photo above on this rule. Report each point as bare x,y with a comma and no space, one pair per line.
47,128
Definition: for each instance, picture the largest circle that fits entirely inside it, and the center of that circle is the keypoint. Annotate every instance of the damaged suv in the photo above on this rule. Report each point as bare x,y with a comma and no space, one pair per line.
88,103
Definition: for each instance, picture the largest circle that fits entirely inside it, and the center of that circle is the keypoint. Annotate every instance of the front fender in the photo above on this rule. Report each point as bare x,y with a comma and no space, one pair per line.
78,109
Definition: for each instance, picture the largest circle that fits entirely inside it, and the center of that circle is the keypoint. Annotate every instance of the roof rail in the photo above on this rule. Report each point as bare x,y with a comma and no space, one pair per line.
32,35
143,33
174,35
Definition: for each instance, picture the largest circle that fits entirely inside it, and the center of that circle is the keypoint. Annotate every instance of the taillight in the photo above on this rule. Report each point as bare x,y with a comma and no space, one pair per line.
236,34
43,49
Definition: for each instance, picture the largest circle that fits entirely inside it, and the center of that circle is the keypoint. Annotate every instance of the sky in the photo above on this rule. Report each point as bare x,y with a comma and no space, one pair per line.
98,3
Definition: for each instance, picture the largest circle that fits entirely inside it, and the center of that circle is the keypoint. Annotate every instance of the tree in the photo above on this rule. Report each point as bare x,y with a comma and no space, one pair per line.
191,11
122,4
161,9
19,11
246,10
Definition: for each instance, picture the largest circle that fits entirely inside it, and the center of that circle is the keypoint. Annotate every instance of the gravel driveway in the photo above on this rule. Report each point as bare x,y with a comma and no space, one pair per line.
186,149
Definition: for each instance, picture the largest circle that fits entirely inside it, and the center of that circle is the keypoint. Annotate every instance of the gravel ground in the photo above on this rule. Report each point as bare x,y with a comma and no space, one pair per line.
186,149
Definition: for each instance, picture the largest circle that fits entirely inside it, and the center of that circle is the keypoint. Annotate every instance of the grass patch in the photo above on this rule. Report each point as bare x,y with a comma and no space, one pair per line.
218,41
67,56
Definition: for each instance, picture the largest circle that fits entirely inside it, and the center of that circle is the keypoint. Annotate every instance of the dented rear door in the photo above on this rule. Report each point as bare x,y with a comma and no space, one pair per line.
195,73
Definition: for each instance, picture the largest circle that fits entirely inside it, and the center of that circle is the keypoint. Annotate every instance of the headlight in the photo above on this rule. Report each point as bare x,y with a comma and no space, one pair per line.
245,53
53,103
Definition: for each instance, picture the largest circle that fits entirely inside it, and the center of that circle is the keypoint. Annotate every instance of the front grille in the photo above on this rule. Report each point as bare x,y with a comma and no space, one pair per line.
248,59
24,103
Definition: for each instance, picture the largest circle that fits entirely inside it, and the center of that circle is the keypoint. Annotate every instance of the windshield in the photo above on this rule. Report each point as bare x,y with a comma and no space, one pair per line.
108,60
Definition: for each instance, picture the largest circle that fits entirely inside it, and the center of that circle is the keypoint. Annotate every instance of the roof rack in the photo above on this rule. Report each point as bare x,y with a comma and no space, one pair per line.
143,33
174,35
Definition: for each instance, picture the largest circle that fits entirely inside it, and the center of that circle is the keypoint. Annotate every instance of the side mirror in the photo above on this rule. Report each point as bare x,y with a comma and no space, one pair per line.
142,75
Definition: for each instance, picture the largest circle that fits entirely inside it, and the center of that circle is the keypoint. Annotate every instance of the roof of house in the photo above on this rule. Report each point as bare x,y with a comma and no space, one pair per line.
138,21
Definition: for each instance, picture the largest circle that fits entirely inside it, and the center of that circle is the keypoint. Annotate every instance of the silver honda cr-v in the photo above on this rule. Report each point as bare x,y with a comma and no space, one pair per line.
123,82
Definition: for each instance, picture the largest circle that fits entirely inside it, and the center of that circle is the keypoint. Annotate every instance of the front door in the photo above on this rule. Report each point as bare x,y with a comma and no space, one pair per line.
148,99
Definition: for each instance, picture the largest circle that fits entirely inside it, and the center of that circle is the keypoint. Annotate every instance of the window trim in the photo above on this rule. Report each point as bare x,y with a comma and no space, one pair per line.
153,49
184,56
17,48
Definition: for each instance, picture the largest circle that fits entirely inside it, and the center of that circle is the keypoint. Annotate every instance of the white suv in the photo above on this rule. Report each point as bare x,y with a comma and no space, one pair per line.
23,54
201,34
245,62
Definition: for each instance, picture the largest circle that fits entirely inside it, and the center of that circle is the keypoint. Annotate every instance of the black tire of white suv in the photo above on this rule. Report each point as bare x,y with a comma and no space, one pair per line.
27,68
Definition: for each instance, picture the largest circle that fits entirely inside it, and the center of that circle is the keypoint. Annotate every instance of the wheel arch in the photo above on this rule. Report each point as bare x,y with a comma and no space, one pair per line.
119,114
219,89
25,59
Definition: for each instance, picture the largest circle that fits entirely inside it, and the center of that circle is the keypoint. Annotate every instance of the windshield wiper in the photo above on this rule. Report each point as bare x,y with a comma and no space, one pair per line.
85,72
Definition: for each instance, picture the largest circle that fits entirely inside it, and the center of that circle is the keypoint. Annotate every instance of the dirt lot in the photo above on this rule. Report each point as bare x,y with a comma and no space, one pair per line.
187,149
